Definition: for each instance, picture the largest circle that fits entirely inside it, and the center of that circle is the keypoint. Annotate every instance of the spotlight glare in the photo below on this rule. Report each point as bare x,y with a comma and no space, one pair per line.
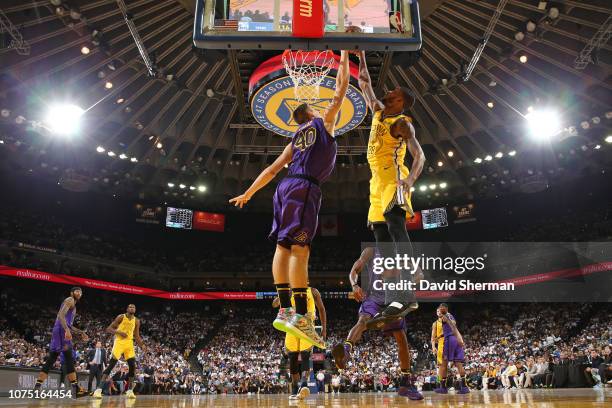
201,189
443,185
499,155
530,109
432,186
451,153
171,185
64,119
543,124
412,189
134,160
488,157
122,156
478,160
85,50
523,59
490,105
108,85
100,149
440,164
512,153
182,186
192,188
608,139
111,153
159,145
423,188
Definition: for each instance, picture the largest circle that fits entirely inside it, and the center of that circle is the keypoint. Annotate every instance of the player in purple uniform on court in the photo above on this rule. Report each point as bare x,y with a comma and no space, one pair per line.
373,302
447,346
311,157
61,342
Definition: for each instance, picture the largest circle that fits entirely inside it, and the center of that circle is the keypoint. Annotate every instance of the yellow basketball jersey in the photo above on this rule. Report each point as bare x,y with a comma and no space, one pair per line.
310,307
385,150
127,326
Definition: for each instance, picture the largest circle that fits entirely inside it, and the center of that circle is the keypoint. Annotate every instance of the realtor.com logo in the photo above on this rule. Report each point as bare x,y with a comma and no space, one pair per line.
459,265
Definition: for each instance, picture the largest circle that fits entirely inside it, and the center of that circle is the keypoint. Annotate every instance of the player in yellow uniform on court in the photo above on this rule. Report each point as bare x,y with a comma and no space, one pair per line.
126,329
391,135
299,350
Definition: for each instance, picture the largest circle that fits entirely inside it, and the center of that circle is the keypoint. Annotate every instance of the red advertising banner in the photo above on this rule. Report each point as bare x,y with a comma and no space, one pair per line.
123,288
208,221
415,223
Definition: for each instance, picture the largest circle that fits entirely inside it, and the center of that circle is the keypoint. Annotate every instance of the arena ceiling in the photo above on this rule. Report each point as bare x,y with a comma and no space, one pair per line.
190,126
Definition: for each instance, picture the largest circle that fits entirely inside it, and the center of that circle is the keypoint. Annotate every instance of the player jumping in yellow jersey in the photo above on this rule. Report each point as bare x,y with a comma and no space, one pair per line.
126,329
391,135
298,349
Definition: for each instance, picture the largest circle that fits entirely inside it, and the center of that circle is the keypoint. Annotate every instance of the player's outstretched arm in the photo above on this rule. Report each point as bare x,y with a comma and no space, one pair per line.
365,84
434,345
366,255
342,83
265,177
402,128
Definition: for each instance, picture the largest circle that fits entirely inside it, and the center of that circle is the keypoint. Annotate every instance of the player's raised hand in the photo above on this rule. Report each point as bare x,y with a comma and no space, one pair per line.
240,201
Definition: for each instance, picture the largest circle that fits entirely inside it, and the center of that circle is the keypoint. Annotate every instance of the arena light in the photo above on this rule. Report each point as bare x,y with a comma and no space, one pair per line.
597,147
608,139
499,155
512,153
519,36
491,105
440,164
159,145
443,185
134,160
543,124
123,156
171,185
478,160
85,50
523,59
192,188
108,85
432,186
451,153
412,189
488,157
100,149
64,119
201,189
423,188
111,153
182,186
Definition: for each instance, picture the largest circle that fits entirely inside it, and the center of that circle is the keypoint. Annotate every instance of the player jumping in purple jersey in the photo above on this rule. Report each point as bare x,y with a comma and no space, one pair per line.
311,157
373,302
61,342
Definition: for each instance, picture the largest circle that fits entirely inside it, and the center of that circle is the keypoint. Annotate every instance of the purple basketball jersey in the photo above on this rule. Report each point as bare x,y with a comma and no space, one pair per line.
314,151
58,339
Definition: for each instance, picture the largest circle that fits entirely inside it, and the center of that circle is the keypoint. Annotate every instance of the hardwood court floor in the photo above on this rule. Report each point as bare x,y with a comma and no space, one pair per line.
553,398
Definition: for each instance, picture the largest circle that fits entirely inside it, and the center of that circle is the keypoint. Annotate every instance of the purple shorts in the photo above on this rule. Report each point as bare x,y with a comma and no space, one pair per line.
58,340
296,212
371,307
452,350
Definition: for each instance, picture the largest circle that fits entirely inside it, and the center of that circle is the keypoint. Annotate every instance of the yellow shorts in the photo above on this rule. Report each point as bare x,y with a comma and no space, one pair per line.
385,193
440,356
295,345
125,348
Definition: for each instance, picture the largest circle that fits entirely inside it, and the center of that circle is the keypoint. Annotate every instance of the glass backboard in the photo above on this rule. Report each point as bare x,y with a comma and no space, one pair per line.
386,25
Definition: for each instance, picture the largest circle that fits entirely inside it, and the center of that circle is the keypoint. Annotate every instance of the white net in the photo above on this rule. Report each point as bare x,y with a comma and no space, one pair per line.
307,70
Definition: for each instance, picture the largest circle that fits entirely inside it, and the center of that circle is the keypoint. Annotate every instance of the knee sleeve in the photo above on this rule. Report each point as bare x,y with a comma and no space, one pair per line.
111,364
131,367
51,359
68,361
305,363
294,367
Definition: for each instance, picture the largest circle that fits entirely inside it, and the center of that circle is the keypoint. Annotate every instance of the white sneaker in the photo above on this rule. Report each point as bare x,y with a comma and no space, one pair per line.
293,397
130,394
97,393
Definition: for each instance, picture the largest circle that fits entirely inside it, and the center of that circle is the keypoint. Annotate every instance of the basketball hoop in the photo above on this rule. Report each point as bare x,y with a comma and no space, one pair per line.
307,70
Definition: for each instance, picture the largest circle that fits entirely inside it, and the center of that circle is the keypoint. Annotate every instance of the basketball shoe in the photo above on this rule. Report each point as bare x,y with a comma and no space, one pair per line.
283,316
303,328
130,394
97,393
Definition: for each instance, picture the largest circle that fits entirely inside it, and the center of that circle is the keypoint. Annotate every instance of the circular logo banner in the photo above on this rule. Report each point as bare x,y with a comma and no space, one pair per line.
273,104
